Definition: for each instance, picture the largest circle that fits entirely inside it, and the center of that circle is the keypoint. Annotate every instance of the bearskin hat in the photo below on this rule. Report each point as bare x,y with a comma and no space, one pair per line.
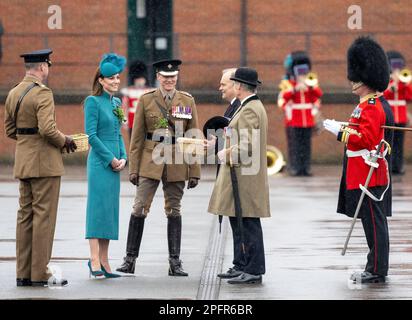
396,55
367,63
296,58
137,69
300,57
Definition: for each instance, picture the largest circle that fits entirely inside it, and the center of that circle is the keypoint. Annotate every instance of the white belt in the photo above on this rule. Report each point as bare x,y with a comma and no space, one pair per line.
397,103
302,106
364,153
359,153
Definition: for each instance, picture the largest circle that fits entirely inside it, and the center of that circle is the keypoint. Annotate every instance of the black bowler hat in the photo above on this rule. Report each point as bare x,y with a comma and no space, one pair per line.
367,63
37,56
169,67
215,123
246,75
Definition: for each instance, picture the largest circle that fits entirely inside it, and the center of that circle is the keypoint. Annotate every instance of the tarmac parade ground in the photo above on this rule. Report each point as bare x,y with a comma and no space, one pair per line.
303,242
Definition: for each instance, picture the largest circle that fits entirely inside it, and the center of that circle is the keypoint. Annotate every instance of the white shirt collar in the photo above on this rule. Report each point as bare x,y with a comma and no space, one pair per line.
233,100
253,94
171,94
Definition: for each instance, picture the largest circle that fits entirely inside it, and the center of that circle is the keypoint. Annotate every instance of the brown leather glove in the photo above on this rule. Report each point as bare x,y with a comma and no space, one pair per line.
69,144
192,183
134,179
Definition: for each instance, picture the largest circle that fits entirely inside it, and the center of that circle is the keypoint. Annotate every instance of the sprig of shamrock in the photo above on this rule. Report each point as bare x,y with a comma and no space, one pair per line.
119,113
162,124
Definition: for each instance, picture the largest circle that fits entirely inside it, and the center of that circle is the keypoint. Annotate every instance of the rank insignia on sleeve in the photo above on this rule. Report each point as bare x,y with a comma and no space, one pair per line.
346,132
356,113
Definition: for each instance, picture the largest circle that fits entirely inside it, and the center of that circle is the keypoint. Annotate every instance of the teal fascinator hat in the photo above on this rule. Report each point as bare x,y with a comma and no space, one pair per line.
111,64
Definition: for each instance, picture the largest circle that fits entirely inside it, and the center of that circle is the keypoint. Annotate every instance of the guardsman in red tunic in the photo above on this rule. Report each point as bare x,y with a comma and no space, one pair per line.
300,100
398,94
368,80
139,85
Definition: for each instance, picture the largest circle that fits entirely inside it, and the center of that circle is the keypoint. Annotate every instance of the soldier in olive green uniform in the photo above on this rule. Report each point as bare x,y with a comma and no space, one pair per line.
165,108
30,120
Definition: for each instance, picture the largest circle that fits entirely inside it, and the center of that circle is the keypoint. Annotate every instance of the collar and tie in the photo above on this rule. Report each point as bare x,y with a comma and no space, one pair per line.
168,96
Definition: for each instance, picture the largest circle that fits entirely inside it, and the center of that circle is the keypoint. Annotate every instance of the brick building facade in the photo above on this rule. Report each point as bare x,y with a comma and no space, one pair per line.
208,35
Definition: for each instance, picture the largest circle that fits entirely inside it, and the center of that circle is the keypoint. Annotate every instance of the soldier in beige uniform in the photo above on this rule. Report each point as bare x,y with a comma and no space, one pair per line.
30,120
167,109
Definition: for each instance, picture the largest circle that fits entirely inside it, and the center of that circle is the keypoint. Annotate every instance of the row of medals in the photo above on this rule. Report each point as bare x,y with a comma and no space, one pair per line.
182,112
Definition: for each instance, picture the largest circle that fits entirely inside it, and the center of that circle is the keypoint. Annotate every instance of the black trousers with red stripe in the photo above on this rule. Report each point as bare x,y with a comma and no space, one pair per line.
376,230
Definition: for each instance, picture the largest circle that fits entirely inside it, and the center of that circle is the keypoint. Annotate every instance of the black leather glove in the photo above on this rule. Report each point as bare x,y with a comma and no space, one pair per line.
192,183
69,144
134,179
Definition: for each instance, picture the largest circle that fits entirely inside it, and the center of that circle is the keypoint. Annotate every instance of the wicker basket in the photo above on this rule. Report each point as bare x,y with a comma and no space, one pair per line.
82,142
191,146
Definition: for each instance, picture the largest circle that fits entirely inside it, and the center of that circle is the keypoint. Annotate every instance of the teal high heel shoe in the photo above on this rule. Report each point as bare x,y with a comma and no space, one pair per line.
95,274
108,274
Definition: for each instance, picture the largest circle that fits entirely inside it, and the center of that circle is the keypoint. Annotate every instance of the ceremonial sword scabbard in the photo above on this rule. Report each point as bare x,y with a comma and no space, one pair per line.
373,162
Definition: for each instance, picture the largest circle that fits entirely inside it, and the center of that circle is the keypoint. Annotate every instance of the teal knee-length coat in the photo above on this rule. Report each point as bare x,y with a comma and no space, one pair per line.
106,142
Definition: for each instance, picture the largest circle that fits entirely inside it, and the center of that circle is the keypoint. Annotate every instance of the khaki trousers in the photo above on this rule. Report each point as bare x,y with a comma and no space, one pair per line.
173,193
36,221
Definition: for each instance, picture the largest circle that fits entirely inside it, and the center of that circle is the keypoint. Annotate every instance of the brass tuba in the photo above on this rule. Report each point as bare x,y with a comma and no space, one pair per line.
405,75
275,160
311,79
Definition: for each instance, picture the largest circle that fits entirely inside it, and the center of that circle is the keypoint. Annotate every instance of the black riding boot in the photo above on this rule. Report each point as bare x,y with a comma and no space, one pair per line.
174,235
134,238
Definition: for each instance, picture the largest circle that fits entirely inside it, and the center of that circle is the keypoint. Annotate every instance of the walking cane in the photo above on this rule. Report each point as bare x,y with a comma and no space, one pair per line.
373,160
238,207
236,197
220,217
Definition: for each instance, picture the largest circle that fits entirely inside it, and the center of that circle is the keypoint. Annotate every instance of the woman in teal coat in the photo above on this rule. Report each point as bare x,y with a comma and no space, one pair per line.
107,157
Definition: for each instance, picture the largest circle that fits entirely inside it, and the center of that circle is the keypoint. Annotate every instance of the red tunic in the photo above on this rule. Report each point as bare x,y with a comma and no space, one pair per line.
299,105
371,117
397,96
130,101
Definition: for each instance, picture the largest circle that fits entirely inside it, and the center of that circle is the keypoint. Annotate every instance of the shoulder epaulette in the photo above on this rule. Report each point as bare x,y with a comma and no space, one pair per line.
40,85
372,101
149,92
186,93
285,85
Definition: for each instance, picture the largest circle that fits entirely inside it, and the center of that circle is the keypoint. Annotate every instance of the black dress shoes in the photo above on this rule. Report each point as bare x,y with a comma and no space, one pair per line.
246,278
176,268
367,277
23,282
128,266
51,283
231,273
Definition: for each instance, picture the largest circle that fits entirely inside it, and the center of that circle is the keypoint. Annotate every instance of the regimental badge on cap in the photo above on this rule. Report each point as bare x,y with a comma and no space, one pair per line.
181,112
37,56
167,68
